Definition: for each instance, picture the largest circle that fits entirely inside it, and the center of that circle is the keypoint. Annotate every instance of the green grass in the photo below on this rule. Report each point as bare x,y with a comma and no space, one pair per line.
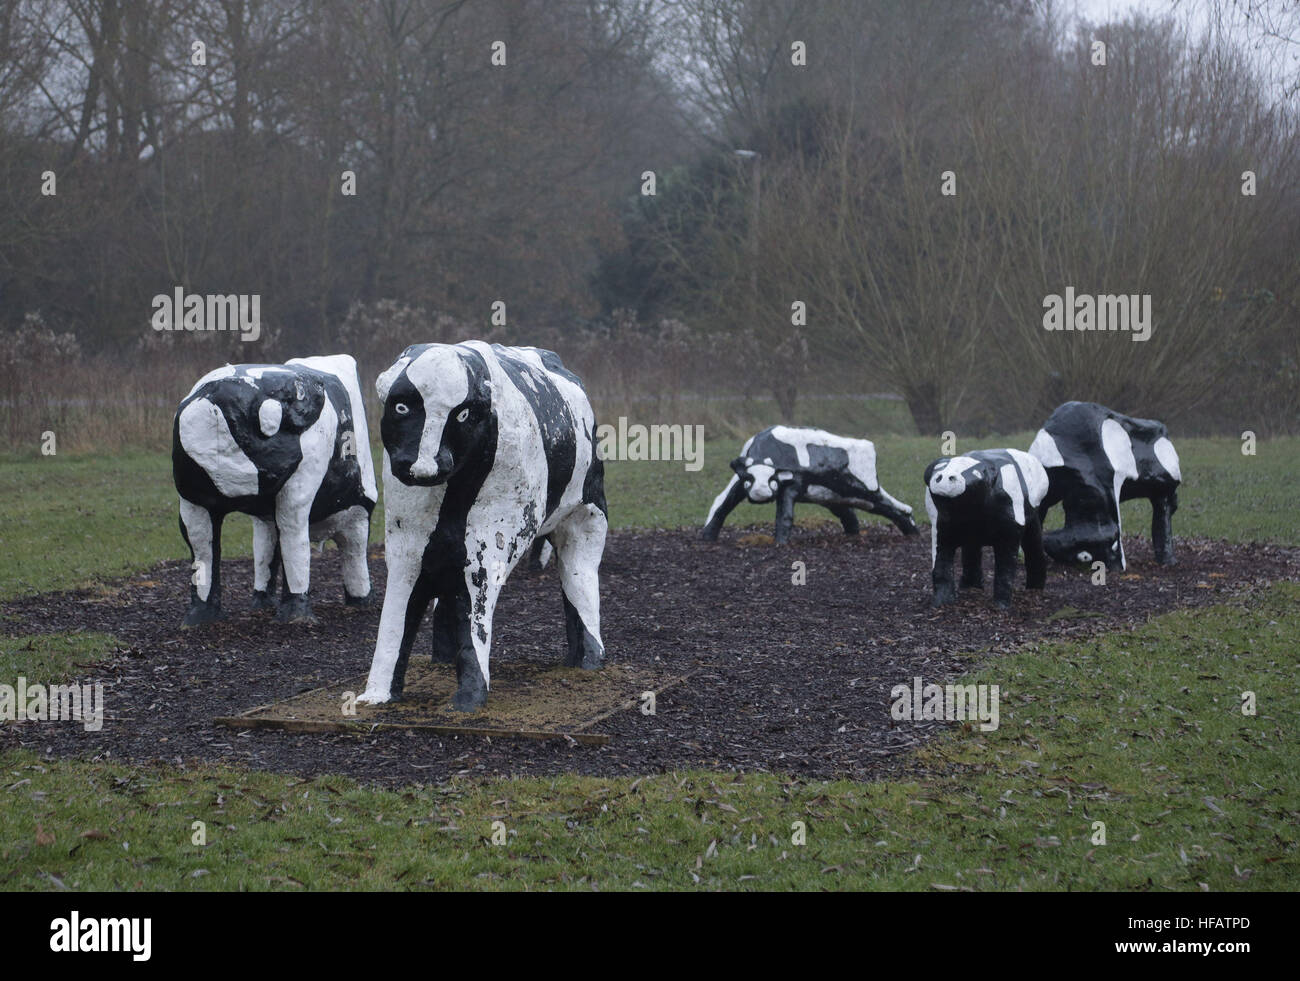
1142,731
52,658
73,520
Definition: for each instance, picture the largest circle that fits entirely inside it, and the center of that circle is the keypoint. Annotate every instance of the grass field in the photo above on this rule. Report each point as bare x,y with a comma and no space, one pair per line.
1192,794
1142,731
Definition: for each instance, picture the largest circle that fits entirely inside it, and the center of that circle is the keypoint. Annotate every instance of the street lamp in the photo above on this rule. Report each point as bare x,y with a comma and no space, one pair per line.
757,158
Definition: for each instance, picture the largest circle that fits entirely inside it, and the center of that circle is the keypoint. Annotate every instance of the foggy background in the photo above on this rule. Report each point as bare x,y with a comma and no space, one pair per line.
523,184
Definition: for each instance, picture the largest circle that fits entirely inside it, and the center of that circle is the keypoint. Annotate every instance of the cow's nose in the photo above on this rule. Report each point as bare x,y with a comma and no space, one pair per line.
951,478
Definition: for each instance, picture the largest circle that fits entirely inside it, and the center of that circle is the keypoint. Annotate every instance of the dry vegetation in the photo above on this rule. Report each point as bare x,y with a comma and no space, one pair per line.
522,183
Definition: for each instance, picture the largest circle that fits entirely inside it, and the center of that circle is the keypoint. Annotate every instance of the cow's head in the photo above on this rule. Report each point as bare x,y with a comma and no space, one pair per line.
961,481
438,412
760,478
1086,541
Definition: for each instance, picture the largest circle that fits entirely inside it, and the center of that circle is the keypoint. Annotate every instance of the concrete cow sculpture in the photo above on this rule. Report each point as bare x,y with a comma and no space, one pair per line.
986,497
486,449
288,445
1095,459
807,465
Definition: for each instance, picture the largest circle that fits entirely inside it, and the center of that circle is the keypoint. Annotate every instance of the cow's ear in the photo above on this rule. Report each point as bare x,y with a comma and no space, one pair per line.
738,465
385,381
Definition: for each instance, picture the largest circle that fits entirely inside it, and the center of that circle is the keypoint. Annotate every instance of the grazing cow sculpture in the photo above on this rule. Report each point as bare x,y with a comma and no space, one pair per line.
288,445
986,497
486,449
807,465
1095,459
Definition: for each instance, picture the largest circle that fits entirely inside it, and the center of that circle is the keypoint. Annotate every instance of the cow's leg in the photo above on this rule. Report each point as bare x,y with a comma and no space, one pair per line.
201,530
474,637
785,498
945,550
352,538
1162,531
972,565
896,511
406,597
1116,559
723,505
539,555
1035,558
579,545
1052,497
447,618
266,563
295,552
1005,551
848,517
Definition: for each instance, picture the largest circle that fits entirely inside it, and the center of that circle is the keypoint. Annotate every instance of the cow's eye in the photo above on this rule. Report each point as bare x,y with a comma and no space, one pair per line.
464,414
401,408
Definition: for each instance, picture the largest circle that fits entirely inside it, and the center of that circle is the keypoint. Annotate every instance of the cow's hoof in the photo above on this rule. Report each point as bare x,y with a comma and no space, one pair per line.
1002,604
972,585
350,600
295,608
374,698
201,613
909,528
469,700
263,599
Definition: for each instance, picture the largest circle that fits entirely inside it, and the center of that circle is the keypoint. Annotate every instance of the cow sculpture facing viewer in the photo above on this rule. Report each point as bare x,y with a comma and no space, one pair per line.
486,449
1097,458
288,445
791,465
985,497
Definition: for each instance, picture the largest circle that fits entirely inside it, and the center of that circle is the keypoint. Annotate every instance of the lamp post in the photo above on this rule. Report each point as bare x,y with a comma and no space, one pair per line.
757,186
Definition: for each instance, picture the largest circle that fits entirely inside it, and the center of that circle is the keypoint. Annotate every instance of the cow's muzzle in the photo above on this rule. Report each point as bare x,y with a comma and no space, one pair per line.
426,473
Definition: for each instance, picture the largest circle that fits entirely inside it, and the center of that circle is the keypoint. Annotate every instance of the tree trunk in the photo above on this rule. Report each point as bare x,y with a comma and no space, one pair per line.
924,403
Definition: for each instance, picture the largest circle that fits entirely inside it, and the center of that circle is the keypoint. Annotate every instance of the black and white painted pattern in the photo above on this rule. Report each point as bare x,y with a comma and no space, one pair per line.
288,445
791,465
1095,459
486,449
985,497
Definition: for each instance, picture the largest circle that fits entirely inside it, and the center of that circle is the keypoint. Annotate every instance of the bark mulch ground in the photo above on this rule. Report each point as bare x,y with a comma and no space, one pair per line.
794,678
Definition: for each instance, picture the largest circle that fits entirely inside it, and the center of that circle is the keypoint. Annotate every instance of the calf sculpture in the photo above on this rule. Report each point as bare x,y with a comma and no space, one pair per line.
288,445
486,449
986,497
807,465
1097,458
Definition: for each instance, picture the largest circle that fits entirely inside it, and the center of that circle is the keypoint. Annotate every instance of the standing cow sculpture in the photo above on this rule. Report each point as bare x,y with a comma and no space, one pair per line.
486,449
1095,459
807,465
288,445
986,497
